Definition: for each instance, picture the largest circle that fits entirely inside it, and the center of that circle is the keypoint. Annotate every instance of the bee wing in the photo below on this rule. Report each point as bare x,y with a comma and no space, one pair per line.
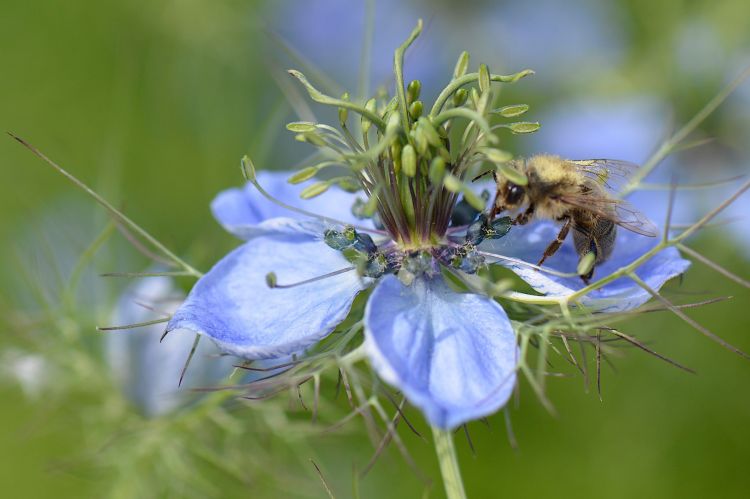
610,173
616,210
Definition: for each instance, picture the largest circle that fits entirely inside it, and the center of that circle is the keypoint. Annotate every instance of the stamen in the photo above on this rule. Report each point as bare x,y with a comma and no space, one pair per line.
271,279
134,325
253,180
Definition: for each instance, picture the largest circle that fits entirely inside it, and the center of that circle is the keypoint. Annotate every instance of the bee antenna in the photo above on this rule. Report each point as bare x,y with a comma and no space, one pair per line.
484,174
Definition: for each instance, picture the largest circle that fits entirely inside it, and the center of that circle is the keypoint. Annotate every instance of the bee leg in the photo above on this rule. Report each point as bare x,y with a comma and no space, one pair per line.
523,218
586,278
555,245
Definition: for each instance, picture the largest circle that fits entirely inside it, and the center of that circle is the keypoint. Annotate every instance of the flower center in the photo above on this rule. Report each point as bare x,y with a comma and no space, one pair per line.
413,164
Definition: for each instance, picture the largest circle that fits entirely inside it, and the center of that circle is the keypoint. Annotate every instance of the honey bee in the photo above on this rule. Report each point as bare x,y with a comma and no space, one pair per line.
576,193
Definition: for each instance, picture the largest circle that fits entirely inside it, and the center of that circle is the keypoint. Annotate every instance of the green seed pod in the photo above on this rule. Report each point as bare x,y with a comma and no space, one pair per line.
409,160
396,157
461,65
524,127
437,170
302,175
484,78
452,183
393,123
301,126
371,106
497,156
344,112
415,109
474,97
315,189
483,102
512,174
420,140
459,98
248,168
413,90
349,184
429,132
311,138
512,111
271,280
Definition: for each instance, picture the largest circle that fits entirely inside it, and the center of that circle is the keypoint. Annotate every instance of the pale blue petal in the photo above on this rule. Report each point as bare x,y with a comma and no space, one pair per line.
241,210
148,370
453,355
528,243
233,305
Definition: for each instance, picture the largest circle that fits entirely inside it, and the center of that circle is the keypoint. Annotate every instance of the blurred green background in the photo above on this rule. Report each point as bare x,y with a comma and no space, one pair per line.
153,102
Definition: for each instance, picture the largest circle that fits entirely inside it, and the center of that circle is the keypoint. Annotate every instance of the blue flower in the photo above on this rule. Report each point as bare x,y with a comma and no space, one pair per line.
452,354
147,368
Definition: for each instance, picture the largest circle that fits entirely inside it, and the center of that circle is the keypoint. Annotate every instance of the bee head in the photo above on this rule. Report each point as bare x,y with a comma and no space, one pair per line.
510,196
513,195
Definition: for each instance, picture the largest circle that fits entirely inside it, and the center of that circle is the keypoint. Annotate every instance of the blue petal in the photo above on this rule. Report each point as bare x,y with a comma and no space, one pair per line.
149,370
528,243
453,355
233,305
241,210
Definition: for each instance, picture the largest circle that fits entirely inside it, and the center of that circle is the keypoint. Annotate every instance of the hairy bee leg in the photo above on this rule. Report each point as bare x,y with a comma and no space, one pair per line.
555,245
586,278
523,218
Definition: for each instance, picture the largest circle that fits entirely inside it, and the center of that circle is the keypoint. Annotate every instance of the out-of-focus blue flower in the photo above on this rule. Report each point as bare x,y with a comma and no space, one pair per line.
27,369
149,370
698,51
452,354
739,214
629,128
316,30
567,41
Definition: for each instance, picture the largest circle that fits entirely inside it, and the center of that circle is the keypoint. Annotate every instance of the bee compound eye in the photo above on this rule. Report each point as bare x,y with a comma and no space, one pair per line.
515,193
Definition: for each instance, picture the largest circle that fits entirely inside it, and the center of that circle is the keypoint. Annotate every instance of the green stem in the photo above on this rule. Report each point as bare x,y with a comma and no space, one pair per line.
446,454
465,80
668,147
398,71
116,214
469,114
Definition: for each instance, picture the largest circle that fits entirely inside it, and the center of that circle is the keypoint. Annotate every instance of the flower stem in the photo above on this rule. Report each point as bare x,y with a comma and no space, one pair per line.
446,454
